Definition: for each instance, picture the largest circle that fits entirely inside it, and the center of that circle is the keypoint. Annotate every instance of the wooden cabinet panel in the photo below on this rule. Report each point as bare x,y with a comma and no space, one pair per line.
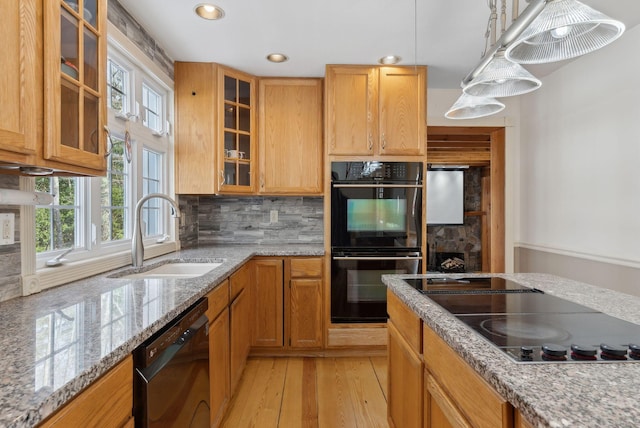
240,313
376,110
520,421
351,110
219,366
408,323
217,300
195,136
240,279
305,330
405,382
402,110
290,136
18,118
439,410
107,403
268,299
306,267
477,401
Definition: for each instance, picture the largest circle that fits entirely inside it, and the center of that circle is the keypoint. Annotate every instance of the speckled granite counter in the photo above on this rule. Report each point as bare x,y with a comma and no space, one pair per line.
550,394
55,343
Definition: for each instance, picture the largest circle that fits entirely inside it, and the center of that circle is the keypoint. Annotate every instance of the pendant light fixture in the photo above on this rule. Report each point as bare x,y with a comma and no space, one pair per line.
502,78
470,107
564,29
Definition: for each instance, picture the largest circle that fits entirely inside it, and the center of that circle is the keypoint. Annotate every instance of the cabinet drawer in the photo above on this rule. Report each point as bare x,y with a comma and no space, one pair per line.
476,399
408,323
307,267
239,280
106,403
218,299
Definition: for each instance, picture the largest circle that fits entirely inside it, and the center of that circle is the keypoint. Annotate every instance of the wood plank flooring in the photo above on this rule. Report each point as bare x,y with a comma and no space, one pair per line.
347,392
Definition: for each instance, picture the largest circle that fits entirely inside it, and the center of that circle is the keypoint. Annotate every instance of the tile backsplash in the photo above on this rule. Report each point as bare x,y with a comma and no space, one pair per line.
10,260
248,220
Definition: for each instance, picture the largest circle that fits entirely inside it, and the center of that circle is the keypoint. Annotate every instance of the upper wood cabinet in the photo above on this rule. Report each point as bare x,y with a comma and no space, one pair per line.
290,137
75,34
53,87
215,129
375,110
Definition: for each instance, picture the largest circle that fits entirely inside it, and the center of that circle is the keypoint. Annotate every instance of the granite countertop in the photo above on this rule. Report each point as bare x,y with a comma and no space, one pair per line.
551,394
55,343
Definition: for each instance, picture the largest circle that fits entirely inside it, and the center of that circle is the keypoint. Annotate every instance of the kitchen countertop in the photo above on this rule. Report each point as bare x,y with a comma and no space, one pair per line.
551,394
57,342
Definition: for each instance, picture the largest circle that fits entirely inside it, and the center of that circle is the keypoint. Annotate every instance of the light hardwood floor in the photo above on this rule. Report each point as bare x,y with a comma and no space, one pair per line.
347,392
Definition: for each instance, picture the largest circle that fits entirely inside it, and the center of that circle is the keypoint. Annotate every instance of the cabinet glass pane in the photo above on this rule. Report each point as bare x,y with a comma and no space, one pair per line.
244,143
244,117
69,44
244,174
90,59
230,173
91,12
229,89
91,137
229,116
229,141
70,114
244,92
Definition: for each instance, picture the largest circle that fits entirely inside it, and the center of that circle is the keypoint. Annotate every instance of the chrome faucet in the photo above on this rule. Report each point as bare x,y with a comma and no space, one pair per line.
137,247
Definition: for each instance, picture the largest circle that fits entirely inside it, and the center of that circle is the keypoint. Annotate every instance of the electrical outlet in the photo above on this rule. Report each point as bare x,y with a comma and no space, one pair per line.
273,216
7,228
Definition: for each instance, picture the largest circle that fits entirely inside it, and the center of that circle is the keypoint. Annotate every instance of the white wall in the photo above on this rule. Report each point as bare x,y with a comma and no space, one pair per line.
580,158
439,101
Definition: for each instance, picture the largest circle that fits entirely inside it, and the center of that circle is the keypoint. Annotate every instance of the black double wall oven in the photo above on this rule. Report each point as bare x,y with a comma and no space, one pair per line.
376,229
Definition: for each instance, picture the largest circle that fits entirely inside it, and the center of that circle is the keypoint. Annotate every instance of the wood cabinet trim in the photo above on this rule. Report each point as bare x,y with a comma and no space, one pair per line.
218,300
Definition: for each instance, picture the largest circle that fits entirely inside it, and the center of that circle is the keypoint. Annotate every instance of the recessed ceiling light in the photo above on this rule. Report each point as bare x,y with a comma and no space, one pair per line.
389,59
277,57
209,11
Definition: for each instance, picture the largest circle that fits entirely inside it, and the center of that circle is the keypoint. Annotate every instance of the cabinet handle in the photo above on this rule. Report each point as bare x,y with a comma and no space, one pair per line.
109,142
262,181
384,141
222,183
370,142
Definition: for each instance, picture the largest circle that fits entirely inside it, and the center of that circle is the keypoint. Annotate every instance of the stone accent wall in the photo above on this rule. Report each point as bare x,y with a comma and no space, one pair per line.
467,238
10,259
126,23
246,220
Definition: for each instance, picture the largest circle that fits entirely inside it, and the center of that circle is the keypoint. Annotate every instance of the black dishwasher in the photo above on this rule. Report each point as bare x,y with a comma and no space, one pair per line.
171,382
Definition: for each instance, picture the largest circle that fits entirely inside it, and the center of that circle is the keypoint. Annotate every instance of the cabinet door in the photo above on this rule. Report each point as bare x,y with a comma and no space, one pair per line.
305,313
219,366
402,110
290,136
240,335
195,139
439,410
405,382
236,131
351,110
18,80
75,84
267,297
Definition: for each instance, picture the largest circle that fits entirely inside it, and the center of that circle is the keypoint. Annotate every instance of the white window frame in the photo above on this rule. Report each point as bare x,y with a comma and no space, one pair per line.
111,254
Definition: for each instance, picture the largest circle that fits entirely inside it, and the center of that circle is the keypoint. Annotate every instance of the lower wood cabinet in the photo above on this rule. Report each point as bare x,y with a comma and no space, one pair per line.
287,303
108,402
240,314
219,381
405,368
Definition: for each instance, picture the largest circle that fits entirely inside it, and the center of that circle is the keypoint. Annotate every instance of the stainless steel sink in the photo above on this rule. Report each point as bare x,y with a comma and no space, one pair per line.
171,269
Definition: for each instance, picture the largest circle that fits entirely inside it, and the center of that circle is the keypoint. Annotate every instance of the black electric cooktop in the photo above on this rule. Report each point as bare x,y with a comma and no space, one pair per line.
531,326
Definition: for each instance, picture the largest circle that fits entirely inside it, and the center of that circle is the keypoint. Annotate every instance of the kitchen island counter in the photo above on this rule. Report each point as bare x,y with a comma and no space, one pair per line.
563,394
57,342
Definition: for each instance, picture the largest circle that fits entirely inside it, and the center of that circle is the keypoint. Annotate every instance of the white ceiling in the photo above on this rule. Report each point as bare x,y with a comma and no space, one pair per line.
450,33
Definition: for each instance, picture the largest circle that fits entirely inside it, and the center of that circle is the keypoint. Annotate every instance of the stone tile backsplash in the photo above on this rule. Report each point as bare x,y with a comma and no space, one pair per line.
247,220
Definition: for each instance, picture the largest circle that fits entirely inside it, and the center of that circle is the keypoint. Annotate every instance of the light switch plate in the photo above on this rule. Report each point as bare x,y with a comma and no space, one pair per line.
7,228
273,216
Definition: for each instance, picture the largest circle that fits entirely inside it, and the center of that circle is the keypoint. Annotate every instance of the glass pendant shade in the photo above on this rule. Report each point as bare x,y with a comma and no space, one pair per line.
470,107
564,29
502,78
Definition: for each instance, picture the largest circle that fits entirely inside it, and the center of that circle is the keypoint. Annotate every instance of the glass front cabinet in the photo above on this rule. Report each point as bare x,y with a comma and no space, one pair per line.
74,60
236,148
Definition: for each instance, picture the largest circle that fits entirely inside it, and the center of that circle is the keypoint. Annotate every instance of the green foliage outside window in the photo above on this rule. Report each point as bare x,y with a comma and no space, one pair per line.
56,225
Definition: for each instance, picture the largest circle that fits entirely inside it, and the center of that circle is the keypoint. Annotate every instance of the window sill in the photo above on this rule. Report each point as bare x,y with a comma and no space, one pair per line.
50,277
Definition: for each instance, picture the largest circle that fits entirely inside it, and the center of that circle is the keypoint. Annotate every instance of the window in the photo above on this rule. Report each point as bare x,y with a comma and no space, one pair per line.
95,215
152,103
117,87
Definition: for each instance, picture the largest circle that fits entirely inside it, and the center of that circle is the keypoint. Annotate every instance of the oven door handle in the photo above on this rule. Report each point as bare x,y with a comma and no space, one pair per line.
375,186
377,258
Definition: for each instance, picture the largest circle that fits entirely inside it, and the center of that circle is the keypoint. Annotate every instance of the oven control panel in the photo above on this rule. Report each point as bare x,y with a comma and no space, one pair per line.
376,171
